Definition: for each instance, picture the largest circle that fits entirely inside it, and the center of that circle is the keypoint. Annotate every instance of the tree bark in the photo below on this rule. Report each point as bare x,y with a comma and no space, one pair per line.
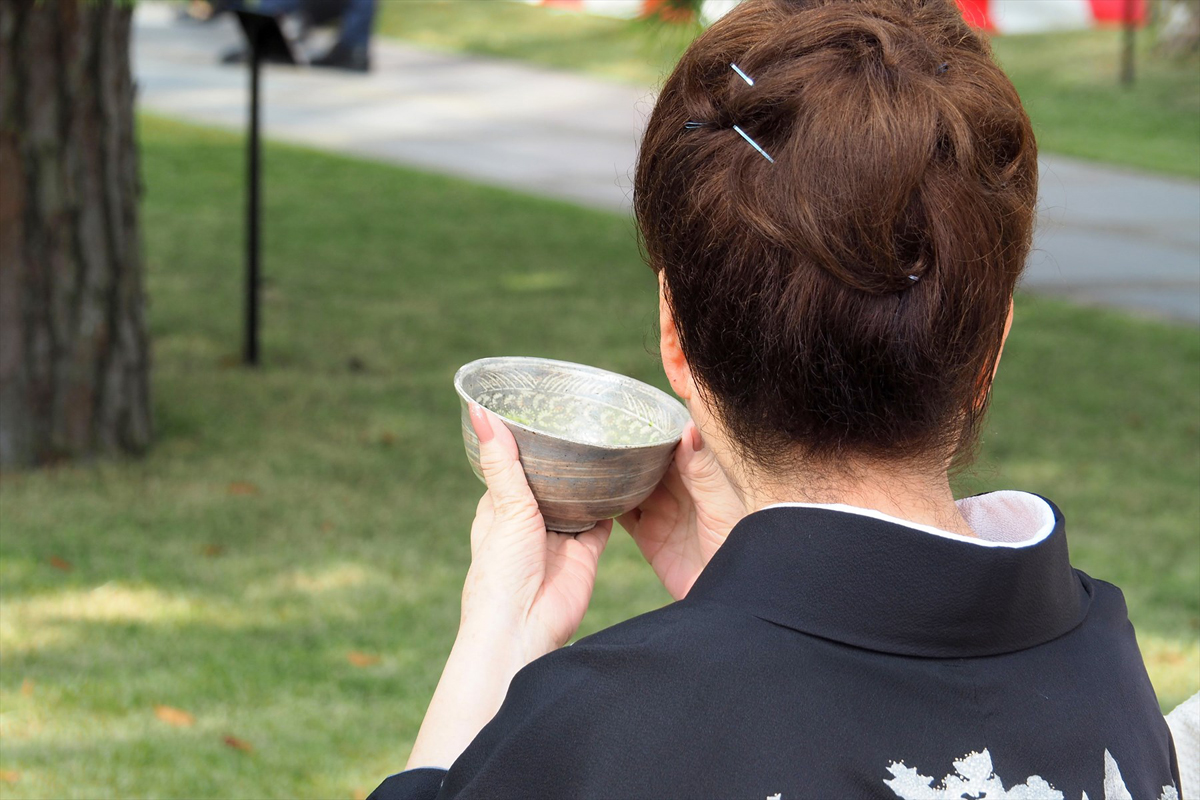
74,354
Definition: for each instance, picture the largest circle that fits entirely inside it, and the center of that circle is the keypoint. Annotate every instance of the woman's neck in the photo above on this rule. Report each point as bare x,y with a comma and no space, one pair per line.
925,505
913,492
896,490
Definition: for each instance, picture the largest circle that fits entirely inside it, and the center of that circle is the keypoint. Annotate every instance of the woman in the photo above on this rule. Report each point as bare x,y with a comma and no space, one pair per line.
838,198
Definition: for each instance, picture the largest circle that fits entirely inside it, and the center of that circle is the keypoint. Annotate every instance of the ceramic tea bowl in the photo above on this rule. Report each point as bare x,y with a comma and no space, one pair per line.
593,443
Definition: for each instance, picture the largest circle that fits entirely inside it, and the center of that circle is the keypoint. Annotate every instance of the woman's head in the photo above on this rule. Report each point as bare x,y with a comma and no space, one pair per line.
848,298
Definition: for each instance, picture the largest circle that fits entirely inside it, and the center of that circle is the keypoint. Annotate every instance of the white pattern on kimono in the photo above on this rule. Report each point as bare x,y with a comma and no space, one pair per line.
974,779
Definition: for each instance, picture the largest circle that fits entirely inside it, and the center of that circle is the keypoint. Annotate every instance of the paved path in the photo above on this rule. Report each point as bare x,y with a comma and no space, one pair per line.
1106,236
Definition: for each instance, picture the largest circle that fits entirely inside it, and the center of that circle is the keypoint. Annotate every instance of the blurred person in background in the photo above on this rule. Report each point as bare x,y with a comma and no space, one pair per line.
355,18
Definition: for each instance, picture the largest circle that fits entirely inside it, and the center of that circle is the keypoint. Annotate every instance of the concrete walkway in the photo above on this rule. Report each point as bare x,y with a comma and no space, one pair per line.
1106,236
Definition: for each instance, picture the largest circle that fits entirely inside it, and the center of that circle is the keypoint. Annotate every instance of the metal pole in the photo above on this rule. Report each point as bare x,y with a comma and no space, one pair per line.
250,356
1128,51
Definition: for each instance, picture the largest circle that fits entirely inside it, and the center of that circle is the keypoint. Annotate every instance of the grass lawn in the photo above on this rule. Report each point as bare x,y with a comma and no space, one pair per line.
638,52
1068,84
284,566
1067,80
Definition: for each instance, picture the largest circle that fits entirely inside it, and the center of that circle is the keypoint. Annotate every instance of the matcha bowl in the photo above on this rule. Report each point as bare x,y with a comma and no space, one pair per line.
593,443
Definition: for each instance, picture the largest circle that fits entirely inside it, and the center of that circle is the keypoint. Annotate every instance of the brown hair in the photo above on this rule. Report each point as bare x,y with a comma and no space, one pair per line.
850,297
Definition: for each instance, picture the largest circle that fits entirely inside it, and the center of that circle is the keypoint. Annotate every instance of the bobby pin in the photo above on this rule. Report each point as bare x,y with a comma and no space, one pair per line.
691,125
750,82
754,144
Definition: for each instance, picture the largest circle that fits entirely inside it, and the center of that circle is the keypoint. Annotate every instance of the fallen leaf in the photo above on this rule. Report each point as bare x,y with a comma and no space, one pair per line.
212,550
387,438
239,744
61,563
242,488
9,775
359,659
173,716
359,794
229,362
326,526
1168,657
27,687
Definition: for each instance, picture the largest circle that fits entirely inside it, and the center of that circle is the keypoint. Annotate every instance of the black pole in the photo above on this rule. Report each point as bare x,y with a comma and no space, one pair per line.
1128,52
250,356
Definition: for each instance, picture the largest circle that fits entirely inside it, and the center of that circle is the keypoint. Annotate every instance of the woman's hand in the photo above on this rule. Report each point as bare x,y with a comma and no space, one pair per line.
687,517
525,595
521,575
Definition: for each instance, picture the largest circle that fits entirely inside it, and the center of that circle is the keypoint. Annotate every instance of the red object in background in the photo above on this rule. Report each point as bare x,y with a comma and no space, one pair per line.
666,10
975,12
1113,11
985,14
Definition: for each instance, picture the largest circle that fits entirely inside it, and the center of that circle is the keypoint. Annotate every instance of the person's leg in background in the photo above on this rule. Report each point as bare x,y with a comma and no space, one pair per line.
353,48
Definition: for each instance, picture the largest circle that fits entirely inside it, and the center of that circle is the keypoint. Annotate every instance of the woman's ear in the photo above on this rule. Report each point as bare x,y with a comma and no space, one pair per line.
673,361
986,380
1003,339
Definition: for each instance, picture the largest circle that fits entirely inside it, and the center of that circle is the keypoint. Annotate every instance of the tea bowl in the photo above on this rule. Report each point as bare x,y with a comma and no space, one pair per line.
593,443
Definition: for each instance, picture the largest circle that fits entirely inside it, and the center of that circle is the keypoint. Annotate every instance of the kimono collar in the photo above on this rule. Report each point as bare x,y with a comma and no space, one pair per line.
874,582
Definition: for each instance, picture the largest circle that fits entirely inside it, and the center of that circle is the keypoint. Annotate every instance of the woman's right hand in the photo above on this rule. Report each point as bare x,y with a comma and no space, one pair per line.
687,517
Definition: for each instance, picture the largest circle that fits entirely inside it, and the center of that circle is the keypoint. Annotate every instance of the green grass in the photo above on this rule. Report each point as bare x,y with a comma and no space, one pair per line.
320,506
641,52
1068,81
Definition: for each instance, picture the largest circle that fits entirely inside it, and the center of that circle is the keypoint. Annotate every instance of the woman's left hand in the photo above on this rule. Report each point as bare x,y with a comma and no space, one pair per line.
525,595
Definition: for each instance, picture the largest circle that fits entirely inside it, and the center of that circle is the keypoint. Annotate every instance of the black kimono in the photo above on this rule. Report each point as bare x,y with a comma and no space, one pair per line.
832,652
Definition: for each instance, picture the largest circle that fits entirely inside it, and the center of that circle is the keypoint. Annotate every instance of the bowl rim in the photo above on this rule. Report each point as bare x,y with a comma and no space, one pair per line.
472,366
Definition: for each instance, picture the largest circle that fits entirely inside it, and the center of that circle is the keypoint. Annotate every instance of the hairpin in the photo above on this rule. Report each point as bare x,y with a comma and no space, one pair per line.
692,125
941,70
914,278
754,144
744,76
749,82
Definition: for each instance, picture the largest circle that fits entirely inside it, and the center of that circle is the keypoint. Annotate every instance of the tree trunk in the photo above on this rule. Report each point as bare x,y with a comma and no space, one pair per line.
74,355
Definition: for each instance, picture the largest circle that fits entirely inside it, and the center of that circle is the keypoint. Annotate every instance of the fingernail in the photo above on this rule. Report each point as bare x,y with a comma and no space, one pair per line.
481,423
697,439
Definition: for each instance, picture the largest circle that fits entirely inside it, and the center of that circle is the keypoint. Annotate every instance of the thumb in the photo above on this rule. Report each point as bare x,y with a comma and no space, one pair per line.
501,467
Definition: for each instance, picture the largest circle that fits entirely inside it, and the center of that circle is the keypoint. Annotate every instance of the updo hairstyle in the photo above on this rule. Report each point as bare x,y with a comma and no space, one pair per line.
849,297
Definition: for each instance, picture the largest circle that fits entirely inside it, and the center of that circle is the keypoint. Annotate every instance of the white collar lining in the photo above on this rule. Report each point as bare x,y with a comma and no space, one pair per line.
1000,519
